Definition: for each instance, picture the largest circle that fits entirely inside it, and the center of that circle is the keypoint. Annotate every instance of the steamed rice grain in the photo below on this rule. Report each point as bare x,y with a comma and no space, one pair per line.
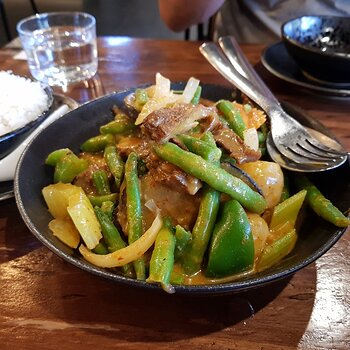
21,101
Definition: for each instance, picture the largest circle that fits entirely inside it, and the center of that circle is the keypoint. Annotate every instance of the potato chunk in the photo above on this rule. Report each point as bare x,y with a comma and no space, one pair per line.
65,231
68,202
57,196
269,178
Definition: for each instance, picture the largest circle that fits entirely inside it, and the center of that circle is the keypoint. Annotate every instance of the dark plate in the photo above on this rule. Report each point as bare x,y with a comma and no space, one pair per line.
320,45
316,236
277,61
10,140
6,187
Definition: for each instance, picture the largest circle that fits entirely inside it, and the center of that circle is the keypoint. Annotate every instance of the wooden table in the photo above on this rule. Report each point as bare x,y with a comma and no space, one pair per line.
45,303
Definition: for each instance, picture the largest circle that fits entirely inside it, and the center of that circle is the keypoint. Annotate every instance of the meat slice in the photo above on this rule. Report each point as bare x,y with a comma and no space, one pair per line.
172,176
233,144
181,207
128,144
166,173
167,122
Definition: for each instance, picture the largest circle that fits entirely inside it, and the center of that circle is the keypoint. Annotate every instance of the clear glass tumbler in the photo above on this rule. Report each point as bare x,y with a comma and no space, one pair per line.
60,46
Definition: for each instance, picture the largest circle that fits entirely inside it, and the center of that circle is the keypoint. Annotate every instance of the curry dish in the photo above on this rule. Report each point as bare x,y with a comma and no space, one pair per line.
177,190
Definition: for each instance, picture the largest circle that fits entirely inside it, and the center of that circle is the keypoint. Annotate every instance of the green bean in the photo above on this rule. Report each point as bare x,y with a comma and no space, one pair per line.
213,175
227,159
233,117
197,95
208,209
54,157
162,260
98,200
97,143
261,137
100,180
167,222
141,98
115,164
224,122
321,205
264,129
108,208
101,249
68,167
120,125
183,237
112,237
262,134
202,148
110,233
202,230
133,209
209,138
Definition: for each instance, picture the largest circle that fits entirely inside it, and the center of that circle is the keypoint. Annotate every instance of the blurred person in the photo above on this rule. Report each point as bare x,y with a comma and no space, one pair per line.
249,21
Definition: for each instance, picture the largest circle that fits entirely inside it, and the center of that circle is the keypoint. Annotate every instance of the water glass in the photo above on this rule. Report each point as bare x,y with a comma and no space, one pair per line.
60,46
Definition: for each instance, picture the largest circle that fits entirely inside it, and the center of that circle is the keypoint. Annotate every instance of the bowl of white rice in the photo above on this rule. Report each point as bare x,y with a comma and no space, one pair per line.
23,105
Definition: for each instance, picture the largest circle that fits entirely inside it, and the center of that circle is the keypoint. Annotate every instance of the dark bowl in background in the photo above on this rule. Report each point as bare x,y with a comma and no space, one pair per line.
316,236
12,139
320,45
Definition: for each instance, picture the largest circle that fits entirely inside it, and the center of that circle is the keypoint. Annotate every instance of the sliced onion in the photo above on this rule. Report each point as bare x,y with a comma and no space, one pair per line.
164,96
128,254
162,88
152,206
161,98
190,90
251,138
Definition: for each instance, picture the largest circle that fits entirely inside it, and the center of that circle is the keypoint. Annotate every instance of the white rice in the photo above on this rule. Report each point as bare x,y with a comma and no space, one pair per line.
21,101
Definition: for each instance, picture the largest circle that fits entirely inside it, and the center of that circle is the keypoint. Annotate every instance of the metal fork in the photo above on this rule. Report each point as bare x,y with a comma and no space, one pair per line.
291,139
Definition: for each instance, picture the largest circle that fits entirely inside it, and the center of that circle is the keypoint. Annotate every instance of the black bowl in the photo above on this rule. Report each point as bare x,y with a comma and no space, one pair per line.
320,45
316,235
12,139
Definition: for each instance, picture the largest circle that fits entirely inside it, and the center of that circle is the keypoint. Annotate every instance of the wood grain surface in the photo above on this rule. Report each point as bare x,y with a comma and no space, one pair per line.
46,303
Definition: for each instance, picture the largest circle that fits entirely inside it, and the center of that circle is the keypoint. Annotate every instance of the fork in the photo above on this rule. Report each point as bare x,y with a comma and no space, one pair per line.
291,139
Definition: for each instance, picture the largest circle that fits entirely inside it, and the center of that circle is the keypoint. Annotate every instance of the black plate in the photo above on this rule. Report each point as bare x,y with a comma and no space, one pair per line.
6,190
6,187
10,140
316,236
278,62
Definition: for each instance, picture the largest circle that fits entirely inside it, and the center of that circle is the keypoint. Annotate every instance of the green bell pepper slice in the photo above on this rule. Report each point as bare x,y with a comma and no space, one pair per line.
232,246
68,167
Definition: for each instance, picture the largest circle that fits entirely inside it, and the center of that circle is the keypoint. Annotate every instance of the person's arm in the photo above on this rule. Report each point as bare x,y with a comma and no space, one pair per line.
181,14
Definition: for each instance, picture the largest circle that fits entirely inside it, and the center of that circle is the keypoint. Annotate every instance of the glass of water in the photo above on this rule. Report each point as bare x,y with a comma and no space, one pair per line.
60,46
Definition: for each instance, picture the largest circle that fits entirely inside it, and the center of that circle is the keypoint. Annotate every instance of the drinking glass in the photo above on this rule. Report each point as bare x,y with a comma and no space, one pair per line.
60,46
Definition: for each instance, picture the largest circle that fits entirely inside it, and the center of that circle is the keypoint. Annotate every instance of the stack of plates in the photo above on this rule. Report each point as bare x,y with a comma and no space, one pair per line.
278,62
